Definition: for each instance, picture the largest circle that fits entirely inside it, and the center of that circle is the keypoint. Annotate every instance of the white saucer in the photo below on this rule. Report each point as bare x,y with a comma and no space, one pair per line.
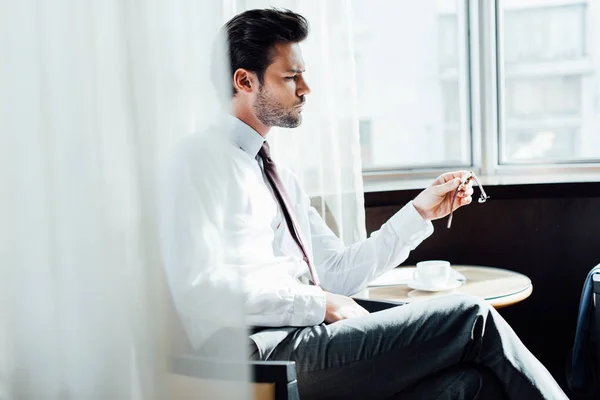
452,284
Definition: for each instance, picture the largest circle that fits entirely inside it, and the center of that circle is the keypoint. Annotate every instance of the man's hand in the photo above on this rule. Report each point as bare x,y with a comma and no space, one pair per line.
436,201
338,307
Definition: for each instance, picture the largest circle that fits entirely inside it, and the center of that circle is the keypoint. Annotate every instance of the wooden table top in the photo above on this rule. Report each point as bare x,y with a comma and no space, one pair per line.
500,287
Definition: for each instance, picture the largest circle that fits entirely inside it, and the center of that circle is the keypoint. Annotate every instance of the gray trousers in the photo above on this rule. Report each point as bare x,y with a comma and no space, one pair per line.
453,347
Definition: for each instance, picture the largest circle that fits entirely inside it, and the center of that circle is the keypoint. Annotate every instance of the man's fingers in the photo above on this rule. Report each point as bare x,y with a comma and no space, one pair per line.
341,315
466,192
357,311
448,176
446,187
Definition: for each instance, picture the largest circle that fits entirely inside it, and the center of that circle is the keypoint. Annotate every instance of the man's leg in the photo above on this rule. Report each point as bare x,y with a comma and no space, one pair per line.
384,353
465,382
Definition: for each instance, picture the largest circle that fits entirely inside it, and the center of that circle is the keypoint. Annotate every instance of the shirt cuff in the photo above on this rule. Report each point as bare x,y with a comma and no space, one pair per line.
410,227
309,306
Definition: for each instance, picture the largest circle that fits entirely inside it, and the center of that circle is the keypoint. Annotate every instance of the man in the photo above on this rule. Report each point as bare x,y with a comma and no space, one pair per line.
298,275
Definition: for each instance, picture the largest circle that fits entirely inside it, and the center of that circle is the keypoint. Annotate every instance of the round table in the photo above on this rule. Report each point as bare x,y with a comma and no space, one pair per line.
500,287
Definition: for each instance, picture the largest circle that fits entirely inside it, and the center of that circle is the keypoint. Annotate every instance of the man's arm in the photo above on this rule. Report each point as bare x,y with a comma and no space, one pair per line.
347,270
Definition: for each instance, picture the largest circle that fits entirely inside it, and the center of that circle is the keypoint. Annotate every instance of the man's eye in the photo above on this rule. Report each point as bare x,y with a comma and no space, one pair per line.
291,78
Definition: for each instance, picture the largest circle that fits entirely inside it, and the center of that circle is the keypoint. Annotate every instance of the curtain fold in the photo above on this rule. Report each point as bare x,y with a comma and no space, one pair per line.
94,96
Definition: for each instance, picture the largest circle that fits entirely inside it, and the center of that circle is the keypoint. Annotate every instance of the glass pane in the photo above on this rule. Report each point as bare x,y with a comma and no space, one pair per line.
411,71
551,90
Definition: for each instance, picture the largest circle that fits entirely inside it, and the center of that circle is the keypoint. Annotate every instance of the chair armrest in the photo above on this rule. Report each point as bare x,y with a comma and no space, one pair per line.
273,371
280,373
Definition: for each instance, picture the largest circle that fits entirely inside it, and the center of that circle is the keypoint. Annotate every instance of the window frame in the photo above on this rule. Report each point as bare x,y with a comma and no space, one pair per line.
485,106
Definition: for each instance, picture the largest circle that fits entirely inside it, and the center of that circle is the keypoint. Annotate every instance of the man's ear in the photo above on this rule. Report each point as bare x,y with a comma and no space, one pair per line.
244,80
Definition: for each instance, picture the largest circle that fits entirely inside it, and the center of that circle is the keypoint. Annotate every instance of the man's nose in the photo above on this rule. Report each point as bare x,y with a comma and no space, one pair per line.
303,88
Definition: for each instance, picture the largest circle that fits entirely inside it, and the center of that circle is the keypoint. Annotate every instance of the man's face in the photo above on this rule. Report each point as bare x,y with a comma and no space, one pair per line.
280,98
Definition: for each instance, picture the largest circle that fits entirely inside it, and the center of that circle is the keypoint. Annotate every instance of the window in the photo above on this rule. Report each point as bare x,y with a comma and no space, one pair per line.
419,99
542,118
425,83
551,86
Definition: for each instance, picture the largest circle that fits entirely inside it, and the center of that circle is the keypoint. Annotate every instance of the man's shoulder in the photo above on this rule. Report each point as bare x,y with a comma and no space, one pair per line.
211,146
205,157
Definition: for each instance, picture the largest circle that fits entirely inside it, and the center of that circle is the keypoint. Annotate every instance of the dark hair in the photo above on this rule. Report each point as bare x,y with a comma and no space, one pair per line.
252,34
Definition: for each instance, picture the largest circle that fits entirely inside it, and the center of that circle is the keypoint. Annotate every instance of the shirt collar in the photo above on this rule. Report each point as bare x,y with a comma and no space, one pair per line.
244,136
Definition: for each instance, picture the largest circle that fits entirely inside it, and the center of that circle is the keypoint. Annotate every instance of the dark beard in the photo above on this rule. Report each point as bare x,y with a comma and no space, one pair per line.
272,113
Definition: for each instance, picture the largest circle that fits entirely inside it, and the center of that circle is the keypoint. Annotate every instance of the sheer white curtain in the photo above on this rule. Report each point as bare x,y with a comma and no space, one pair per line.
93,96
324,152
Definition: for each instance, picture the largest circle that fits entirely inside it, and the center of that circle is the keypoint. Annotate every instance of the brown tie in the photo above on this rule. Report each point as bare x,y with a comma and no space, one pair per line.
284,203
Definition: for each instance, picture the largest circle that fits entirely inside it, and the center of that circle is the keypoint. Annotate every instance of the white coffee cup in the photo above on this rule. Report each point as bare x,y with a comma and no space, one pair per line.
433,273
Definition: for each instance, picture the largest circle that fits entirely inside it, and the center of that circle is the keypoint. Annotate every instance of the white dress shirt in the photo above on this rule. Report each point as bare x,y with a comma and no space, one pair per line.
220,218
